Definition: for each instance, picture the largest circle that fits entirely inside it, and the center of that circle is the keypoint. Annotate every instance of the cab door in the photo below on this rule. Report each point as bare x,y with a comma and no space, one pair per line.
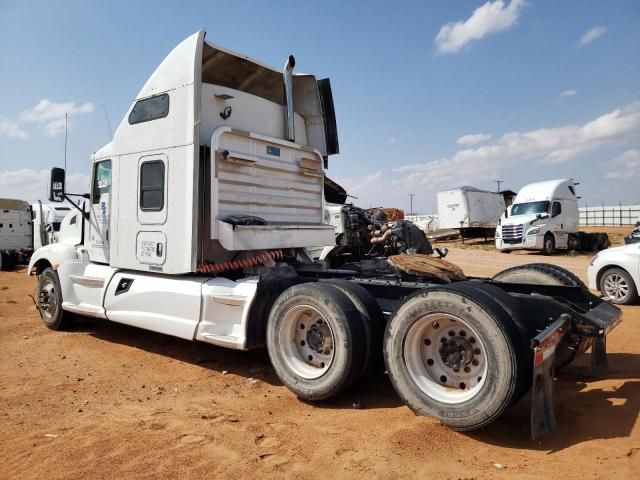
100,212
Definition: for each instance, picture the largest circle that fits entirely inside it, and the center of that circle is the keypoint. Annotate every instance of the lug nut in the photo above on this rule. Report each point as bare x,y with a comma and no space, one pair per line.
463,386
467,369
443,379
477,351
475,362
427,341
472,340
463,333
451,333
430,362
302,342
435,325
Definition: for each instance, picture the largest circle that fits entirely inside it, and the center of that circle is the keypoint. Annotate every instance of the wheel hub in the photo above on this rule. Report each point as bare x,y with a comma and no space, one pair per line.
456,352
319,338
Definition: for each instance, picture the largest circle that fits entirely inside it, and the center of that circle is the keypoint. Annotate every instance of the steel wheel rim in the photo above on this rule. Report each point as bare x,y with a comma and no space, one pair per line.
434,373
48,301
616,286
306,341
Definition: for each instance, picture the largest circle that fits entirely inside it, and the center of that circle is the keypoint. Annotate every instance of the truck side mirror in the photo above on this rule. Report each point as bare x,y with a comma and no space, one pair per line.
56,185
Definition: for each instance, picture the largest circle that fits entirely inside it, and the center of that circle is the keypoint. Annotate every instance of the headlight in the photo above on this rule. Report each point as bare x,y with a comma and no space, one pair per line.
593,259
497,235
533,231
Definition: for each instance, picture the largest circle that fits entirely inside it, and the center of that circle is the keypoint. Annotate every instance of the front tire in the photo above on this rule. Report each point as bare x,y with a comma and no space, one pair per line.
316,340
618,285
50,301
549,244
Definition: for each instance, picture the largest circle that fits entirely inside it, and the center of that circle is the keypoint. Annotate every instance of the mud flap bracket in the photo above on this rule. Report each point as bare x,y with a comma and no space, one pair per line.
544,347
599,355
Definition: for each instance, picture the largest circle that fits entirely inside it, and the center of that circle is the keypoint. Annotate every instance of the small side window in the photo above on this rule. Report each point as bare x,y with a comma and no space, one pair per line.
556,209
150,109
152,185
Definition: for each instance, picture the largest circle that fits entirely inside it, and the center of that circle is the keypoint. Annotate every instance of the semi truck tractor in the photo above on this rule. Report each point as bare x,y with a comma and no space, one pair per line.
544,217
197,223
47,219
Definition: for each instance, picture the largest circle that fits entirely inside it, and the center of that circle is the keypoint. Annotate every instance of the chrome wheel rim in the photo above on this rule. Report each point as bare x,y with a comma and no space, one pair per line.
307,342
48,301
446,358
616,286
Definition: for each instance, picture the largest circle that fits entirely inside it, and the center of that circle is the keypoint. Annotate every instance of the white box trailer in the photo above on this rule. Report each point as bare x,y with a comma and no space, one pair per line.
468,208
197,222
16,232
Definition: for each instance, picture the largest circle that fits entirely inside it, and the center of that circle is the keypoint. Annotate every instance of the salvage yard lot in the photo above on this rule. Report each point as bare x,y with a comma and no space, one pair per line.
111,401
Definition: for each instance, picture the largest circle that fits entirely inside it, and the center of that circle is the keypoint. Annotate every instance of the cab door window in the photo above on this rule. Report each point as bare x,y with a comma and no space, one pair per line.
101,181
556,209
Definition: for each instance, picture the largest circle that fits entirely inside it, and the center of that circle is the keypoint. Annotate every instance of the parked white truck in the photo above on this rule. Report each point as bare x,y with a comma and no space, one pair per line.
473,211
16,232
47,219
544,216
197,222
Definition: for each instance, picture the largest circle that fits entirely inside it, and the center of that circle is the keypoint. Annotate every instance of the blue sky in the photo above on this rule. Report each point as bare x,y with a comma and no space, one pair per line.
429,95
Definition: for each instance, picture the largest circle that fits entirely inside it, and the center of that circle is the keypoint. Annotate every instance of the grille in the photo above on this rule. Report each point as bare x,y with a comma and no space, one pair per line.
512,233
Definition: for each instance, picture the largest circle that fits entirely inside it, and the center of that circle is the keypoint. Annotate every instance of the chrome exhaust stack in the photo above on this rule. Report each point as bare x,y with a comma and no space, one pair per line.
288,93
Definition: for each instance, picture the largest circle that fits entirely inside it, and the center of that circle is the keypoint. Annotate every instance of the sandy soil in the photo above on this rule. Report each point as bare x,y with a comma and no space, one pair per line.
110,401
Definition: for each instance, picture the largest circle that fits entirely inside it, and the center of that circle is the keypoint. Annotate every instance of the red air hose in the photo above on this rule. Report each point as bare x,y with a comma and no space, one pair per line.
261,258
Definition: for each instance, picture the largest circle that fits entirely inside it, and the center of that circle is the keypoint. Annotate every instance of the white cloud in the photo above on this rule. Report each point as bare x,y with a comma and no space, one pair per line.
392,140
473,139
568,93
12,129
31,185
542,146
52,115
591,35
492,17
369,185
625,166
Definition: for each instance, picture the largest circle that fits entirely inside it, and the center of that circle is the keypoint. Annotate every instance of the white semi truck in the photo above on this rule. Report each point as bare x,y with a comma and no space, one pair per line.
544,217
47,219
197,225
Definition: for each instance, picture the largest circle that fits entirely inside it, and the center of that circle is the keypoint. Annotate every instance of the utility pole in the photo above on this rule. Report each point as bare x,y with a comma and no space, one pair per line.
411,195
498,182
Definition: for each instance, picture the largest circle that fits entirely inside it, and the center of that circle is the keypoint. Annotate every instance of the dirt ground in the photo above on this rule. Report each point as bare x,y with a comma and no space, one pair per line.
110,401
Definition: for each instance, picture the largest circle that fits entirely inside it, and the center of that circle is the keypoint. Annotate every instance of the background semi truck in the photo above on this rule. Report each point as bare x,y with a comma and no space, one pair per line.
197,225
544,216
47,219
16,232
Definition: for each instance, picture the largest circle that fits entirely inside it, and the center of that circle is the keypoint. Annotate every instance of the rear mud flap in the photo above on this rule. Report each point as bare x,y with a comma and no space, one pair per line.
544,346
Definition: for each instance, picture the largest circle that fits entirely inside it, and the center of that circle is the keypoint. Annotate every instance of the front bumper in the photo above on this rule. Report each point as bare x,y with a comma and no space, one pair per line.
529,242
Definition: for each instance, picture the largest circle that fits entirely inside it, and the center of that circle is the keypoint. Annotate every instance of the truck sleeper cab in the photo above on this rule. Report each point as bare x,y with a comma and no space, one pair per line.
198,222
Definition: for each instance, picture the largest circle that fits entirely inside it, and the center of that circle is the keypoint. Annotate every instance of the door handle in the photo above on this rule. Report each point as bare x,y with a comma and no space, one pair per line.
158,249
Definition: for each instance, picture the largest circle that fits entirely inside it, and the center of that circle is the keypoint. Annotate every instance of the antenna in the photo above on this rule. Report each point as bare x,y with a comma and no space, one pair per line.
108,122
65,141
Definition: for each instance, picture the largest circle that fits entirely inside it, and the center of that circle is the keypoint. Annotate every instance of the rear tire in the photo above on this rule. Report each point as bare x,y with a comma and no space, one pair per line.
373,321
618,285
547,274
50,301
316,340
465,390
